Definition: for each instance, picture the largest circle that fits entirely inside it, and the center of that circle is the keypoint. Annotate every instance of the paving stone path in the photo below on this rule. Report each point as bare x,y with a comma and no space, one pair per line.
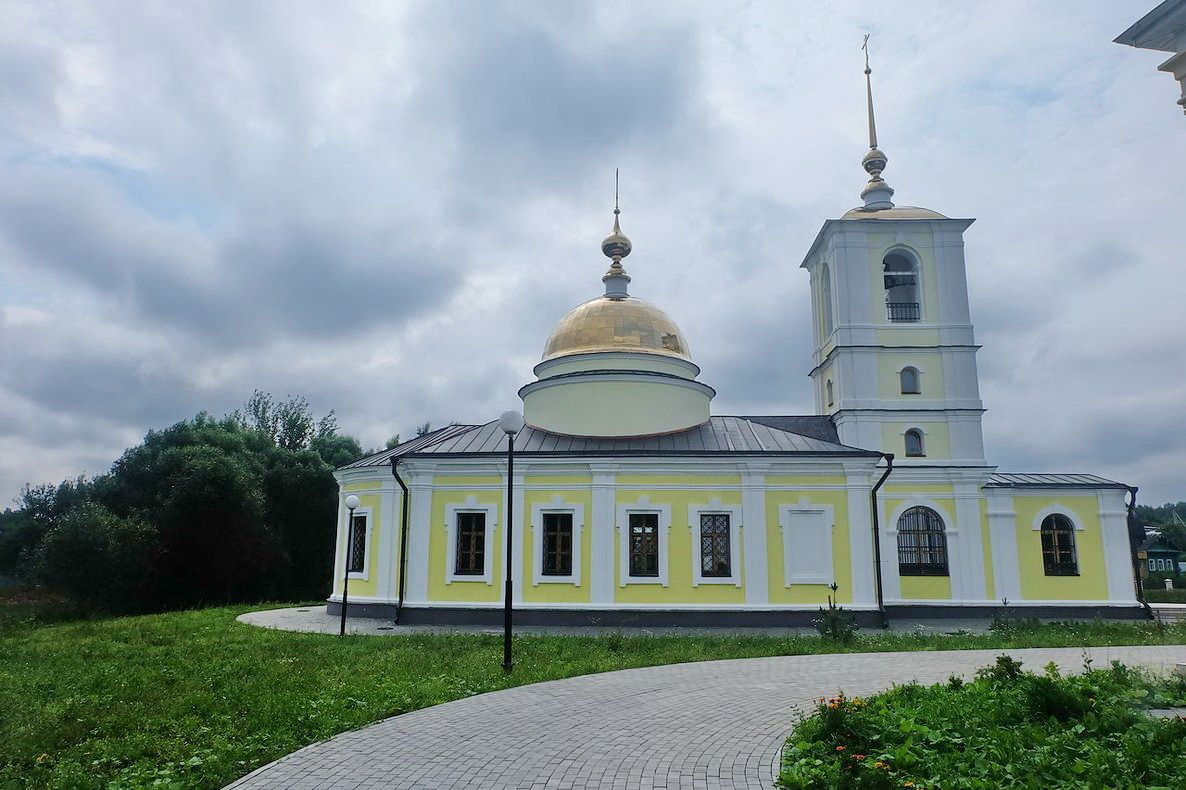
715,724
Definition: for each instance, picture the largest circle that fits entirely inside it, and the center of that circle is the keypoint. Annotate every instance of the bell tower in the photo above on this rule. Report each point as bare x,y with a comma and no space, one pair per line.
894,363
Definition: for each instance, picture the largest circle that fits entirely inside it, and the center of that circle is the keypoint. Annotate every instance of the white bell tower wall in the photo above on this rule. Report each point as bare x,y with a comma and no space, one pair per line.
895,356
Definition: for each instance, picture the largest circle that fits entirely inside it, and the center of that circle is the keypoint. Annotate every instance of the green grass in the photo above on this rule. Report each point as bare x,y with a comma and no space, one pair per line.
195,699
1007,729
1166,596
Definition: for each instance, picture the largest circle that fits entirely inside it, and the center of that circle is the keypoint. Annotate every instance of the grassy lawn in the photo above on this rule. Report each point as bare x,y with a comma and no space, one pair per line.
1009,728
1166,596
195,699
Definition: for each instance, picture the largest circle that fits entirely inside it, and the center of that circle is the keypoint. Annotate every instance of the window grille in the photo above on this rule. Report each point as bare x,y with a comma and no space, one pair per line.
471,544
358,544
715,551
1058,546
557,544
644,544
922,543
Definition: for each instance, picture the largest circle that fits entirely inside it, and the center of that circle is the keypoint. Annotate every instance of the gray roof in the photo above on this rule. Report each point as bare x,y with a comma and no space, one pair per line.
719,436
1017,480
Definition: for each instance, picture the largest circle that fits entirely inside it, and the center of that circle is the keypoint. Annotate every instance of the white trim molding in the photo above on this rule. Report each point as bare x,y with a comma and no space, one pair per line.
538,510
714,507
793,519
452,510
643,505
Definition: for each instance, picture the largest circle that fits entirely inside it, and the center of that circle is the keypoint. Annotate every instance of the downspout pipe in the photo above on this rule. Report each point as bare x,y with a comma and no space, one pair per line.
403,539
1136,536
889,467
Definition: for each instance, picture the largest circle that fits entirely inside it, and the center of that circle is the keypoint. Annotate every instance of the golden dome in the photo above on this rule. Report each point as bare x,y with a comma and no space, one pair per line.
627,324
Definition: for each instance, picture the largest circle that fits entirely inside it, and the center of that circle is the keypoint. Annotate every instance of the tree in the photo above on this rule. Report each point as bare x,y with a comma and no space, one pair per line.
337,450
424,430
40,508
394,441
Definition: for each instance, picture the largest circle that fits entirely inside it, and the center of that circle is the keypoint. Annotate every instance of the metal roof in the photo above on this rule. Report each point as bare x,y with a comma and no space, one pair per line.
719,436
1017,480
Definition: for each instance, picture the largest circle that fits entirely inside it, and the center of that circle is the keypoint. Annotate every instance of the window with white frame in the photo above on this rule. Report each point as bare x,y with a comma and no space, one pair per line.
470,530
716,543
1152,565
642,529
922,543
556,537
914,444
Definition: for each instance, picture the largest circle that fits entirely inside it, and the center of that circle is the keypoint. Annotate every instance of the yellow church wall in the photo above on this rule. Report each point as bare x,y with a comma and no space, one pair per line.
936,440
778,592
681,478
889,381
370,585
557,480
468,480
990,590
560,592
891,489
477,591
925,588
805,481
679,589
1092,582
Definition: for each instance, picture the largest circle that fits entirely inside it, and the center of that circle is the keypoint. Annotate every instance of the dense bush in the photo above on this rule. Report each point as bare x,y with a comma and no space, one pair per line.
1007,728
207,511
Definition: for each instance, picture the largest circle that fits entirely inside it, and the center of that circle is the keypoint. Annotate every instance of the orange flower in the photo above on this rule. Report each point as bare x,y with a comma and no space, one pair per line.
840,748
858,757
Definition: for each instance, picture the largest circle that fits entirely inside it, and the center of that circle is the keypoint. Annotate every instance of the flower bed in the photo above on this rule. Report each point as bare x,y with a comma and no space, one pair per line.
1006,728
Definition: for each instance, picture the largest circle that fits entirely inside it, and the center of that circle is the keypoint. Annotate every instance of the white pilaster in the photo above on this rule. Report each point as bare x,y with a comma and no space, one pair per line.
753,535
970,553
860,538
1117,553
388,535
1002,538
419,532
601,537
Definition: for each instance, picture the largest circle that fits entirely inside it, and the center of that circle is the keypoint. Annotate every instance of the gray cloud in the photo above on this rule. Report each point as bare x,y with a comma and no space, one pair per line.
386,208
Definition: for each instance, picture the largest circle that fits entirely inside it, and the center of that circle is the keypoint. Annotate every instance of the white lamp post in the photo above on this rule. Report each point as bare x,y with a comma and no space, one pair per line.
511,422
351,505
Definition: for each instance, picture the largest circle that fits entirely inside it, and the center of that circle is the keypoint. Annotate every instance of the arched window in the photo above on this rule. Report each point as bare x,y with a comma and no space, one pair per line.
922,543
1058,546
910,382
914,446
901,287
825,290
828,389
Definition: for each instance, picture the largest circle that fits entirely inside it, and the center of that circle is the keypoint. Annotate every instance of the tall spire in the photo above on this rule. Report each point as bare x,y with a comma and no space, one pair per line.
616,246
877,192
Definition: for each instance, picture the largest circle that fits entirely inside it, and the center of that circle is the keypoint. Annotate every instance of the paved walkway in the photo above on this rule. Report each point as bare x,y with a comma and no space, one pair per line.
314,619
716,724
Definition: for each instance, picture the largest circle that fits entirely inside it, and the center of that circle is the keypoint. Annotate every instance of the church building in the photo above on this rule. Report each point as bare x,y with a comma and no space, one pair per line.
633,503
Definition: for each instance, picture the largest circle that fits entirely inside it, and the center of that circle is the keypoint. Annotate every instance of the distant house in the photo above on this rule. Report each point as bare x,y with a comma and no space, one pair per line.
1160,557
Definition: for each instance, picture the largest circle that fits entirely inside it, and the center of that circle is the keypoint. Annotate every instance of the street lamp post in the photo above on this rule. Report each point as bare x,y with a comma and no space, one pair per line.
511,423
351,504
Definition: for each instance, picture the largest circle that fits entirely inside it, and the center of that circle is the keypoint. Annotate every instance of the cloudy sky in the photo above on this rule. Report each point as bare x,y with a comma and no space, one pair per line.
386,207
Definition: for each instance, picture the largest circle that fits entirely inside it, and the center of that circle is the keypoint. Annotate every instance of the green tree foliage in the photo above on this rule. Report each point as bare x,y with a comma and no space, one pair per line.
424,430
206,511
393,441
1170,519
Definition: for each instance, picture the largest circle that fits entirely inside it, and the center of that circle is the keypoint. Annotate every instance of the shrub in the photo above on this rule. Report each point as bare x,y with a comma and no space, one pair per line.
834,623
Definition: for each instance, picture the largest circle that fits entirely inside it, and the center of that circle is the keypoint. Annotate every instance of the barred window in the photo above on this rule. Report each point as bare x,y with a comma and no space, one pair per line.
922,543
358,544
715,551
1058,546
644,544
471,544
557,544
